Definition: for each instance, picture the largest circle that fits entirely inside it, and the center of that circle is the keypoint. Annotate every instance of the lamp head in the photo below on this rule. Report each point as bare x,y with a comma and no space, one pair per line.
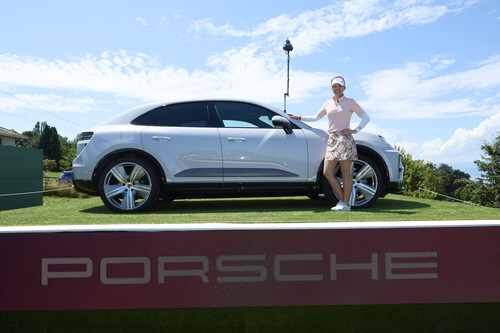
287,46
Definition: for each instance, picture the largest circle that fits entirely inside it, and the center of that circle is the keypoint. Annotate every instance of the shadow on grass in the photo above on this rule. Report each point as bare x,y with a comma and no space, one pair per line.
396,206
203,206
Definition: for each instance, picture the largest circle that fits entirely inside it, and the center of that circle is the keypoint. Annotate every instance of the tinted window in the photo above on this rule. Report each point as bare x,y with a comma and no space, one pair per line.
149,118
185,115
244,115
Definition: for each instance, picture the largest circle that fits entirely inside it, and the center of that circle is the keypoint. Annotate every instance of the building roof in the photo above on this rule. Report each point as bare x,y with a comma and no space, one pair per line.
11,134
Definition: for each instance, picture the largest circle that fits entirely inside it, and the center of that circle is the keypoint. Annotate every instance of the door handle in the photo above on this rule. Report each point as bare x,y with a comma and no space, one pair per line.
233,139
158,138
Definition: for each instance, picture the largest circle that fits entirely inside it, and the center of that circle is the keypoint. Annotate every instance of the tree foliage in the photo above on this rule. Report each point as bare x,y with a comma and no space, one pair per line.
486,190
49,142
55,147
419,174
455,177
33,136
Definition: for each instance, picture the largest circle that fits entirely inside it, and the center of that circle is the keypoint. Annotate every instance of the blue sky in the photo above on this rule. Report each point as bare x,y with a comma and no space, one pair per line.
427,72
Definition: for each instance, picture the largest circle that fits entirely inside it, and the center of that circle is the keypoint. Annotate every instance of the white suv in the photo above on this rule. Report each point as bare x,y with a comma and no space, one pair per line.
219,148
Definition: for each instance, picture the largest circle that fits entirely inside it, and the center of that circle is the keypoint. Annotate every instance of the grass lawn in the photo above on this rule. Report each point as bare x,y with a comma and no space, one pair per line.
478,317
53,174
68,211
361,318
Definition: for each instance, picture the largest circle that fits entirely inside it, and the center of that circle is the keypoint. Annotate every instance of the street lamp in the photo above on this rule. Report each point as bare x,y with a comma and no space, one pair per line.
287,47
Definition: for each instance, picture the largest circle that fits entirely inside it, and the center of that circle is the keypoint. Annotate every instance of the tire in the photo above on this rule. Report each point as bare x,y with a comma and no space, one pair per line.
367,183
129,184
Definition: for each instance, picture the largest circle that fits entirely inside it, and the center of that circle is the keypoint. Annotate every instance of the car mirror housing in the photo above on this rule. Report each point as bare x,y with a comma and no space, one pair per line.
282,122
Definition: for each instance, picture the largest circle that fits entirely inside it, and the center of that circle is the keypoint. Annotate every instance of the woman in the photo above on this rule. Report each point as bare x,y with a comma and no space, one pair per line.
341,147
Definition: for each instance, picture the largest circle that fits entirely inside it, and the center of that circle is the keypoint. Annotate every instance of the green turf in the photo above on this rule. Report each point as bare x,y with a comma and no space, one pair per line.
361,318
66,211
53,173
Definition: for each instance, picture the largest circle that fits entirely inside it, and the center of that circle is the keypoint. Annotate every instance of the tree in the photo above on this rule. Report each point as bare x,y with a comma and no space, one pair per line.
488,189
485,191
68,152
49,142
419,174
490,165
33,136
454,175
39,127
43,136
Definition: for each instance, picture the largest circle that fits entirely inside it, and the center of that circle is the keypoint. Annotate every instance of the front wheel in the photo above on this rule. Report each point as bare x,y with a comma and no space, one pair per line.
129,184
367,183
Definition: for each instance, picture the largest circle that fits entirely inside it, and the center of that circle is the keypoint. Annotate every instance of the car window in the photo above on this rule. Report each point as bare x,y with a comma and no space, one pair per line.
149,118
185,115
244,115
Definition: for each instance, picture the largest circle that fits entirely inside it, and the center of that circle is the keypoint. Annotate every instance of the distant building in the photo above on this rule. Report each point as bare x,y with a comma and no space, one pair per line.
8,137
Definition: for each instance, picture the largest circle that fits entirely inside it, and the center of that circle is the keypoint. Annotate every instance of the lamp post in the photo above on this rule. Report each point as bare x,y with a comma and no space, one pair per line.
287,47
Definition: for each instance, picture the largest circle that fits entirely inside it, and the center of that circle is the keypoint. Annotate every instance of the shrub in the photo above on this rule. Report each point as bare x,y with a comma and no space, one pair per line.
62,190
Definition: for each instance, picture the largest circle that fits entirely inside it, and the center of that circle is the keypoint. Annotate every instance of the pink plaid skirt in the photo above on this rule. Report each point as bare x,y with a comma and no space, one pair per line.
341,146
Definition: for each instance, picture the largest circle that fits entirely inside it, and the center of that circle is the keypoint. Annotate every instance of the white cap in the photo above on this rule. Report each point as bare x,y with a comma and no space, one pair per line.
338,79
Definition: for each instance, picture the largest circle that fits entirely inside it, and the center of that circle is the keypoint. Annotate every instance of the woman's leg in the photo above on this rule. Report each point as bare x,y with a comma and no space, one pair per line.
328,169
345,169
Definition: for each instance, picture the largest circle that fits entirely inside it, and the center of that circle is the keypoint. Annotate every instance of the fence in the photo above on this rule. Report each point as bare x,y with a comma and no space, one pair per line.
447,197
21,171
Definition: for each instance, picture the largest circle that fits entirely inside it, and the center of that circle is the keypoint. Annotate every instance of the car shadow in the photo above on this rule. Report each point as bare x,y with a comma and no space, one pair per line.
203,206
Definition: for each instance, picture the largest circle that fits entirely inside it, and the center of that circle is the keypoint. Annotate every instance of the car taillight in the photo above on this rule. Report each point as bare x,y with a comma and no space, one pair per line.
86,136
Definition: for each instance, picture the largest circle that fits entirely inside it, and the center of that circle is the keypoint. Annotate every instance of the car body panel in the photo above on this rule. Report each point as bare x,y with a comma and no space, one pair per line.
186,154
256,154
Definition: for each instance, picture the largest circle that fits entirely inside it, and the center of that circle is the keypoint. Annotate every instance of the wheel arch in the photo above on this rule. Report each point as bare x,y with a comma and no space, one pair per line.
125,152
374,156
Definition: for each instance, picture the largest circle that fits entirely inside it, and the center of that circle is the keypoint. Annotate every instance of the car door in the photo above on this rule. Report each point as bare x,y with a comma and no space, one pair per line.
186,142
254,152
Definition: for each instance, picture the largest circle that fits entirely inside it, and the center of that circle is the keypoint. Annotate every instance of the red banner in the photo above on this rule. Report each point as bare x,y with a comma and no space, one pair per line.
229,268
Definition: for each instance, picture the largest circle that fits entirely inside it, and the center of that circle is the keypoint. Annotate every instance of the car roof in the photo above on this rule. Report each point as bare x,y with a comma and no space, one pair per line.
127,116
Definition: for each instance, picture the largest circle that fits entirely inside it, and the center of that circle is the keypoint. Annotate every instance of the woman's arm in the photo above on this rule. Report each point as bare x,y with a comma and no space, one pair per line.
364,120
306,118
321,113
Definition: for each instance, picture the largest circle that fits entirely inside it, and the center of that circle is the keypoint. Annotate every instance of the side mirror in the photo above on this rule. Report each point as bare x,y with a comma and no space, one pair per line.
282,122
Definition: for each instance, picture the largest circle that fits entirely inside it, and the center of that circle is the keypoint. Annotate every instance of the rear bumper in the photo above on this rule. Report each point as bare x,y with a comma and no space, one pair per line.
84,186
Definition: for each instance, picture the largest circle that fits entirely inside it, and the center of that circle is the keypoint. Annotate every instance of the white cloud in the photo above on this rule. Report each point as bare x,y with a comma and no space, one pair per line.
416,91
337,21
462,146
141,21
51,102
253,75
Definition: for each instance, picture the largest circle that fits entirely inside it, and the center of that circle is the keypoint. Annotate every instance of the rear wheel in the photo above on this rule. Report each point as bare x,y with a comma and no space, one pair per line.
129,184
367,183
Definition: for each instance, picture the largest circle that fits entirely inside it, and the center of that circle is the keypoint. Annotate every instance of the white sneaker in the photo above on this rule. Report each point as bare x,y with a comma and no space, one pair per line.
341,207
